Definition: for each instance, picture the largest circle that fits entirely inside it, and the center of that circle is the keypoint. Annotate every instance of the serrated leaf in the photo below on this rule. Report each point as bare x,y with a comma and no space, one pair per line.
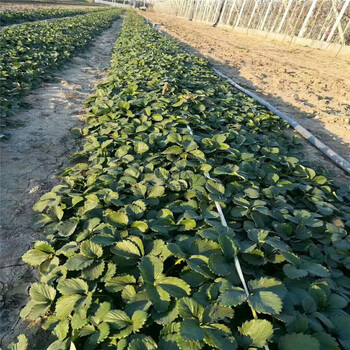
41,220
72,286
293,272
298,341
233,297
118,283
165,318
22,343
189,308
35,257
190,330
68,227
176,287
265,302
126,250
158,297
140,147
257,331
156,191
215,187
78,262
173,150
65,304
219,265
118,317
117,218
316,269
138,320
216,312
327,342
150,268
93,271
139,189
91,250
61,330
41,292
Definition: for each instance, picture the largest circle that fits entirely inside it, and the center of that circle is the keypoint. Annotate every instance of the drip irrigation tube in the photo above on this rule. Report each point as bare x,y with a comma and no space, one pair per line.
332,155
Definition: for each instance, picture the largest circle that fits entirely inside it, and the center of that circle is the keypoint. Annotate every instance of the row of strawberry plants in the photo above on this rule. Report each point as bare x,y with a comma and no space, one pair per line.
135,255
9,17
29,52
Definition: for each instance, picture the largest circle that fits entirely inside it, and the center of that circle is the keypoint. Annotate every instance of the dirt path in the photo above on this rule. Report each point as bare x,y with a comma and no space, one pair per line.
310,85
31,161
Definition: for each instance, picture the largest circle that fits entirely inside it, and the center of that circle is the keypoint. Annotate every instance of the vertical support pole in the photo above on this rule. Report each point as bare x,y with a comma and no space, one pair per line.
284,16
253,13
231,13
222,12
240,13
340,29
337,21
307,18
266,14
217,12
194,9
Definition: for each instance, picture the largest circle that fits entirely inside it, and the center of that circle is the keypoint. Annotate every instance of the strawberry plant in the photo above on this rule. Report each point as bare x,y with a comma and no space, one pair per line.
136,253
9,17
29,52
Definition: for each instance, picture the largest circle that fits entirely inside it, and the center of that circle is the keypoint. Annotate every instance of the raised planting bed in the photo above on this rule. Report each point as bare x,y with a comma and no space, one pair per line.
135,253
31,52
9,17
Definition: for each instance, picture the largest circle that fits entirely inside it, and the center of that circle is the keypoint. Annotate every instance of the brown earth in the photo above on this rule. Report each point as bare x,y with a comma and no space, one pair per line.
310,85
31,161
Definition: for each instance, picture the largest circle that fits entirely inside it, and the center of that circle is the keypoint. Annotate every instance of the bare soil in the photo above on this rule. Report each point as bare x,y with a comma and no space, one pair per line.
31,161
310,85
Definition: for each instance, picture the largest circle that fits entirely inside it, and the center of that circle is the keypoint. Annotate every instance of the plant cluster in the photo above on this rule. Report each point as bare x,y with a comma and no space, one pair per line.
135,256
29,52
9,17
